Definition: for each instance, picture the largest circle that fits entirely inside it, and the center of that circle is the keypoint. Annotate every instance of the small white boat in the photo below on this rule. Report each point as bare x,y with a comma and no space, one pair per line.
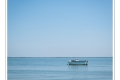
77,62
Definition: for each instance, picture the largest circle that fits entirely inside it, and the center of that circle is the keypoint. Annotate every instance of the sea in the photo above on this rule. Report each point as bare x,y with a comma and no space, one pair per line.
56,68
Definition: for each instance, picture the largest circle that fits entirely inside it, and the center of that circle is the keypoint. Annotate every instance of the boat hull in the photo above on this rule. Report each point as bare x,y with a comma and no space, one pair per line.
78,63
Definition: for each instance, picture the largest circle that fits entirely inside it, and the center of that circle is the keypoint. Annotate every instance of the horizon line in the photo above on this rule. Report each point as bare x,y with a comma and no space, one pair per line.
59,57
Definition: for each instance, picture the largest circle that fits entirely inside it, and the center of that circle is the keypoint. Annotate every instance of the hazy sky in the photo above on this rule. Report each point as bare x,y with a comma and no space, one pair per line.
59,28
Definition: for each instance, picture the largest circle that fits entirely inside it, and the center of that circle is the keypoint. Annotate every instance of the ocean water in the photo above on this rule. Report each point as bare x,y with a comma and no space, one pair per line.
57,69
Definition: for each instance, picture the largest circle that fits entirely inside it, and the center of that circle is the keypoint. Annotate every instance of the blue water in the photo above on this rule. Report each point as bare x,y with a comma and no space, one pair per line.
57,69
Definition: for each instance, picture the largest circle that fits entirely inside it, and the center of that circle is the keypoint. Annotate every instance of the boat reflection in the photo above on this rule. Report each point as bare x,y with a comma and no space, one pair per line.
78,72
78,67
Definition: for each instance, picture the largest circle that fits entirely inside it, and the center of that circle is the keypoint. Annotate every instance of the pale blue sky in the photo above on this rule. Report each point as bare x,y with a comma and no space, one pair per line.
59,28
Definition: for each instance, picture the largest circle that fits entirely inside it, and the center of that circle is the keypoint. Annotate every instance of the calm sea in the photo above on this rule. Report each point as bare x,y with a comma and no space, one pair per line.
57,69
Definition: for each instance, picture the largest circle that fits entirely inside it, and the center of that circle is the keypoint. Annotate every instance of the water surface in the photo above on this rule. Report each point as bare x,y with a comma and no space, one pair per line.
57,69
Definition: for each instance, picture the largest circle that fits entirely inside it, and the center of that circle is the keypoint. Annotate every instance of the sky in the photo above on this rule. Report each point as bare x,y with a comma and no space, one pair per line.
59,28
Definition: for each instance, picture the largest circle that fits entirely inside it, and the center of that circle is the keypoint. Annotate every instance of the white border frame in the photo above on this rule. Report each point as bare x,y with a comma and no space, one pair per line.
3,40
117,39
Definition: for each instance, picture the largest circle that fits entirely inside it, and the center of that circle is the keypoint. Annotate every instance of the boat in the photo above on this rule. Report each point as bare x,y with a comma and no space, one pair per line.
77,62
